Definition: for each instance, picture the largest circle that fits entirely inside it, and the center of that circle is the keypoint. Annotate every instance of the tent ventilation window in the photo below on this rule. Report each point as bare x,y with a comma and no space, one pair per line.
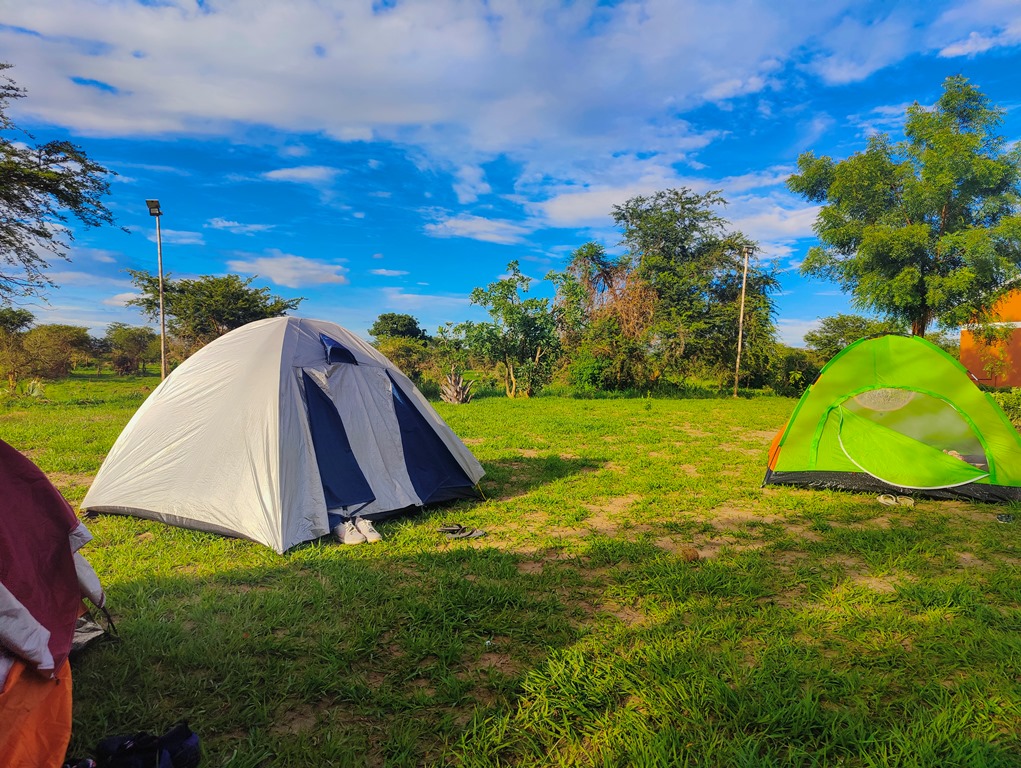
336,352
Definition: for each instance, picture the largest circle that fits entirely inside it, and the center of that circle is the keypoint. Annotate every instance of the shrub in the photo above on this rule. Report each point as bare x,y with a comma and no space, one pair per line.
1010,402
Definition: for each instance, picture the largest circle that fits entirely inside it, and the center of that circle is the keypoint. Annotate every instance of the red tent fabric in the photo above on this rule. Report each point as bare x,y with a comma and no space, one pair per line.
36,551
42,582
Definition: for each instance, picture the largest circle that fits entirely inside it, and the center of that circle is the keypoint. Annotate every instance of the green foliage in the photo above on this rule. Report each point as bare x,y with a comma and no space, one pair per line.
612,361
14,360
53,350
130,347
202,309
15,320
836,332
410,355
683,249
925,230
522,335
41,188
1010,402
792,370
397,325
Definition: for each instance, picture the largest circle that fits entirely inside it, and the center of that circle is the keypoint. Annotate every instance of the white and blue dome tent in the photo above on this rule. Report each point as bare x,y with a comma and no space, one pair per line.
276,430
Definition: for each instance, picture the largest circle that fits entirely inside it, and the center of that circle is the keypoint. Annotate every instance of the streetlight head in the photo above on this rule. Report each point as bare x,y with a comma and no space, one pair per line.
154,207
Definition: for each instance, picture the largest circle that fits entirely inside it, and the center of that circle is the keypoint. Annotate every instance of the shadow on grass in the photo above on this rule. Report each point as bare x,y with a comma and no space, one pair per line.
519,475
336,657
404,654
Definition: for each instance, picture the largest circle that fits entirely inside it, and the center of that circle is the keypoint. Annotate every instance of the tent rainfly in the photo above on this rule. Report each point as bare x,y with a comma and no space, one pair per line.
275,428
43,580
896,413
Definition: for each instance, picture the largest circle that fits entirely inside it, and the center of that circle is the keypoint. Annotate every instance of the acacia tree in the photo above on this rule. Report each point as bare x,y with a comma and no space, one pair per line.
522,335
14,360
54,349
202,309
41,188
926,229
130,347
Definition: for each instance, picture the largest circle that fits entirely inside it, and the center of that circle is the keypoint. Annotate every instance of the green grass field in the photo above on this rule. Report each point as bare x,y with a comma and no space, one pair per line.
814,628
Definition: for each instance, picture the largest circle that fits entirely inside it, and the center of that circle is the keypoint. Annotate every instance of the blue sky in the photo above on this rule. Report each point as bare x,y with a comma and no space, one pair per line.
390,156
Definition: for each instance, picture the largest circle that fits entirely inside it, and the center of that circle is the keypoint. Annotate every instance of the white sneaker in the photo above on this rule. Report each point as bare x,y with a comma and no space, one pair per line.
364,527
346,533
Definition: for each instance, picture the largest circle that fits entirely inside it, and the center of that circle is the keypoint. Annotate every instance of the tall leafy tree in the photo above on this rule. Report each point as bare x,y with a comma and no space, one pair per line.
130,347
14,361
14,320
836,332
54,349
396,325
926,229
681,246
606,315
42,187
522,335
202,309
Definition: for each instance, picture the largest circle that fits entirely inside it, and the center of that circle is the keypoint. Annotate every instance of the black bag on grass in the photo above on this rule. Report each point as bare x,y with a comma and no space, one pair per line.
177,748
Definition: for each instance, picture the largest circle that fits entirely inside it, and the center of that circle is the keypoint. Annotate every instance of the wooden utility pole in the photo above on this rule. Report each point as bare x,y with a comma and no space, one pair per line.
745,251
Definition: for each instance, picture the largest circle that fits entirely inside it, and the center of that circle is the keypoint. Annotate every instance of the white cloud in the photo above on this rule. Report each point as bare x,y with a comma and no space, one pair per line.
562,90
294,150
289,270
395,298
979,26
304,174
772,220
102,255
237,228
479,228
120,299
974,43
471,183
791,331
178,237
387,272
854,48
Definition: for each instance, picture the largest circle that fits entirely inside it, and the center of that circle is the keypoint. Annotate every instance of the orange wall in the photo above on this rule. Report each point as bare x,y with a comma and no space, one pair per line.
974,353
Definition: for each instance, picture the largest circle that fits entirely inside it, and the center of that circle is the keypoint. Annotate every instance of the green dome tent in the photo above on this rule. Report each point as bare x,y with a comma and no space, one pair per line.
897,413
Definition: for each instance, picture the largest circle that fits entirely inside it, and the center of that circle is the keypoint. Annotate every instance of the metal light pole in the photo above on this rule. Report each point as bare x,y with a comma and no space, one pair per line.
745,251
154,210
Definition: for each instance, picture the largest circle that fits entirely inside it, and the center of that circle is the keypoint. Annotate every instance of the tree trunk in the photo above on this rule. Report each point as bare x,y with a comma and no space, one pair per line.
510,383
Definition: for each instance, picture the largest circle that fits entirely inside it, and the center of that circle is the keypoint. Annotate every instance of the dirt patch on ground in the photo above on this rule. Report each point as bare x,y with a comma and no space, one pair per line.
965,511
293,718
530,566
615,505
683,547
692,431
501,662
875,583
70,479
627,615
731,448
804,532
757,435
726,517
968,560
689,469
529,453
